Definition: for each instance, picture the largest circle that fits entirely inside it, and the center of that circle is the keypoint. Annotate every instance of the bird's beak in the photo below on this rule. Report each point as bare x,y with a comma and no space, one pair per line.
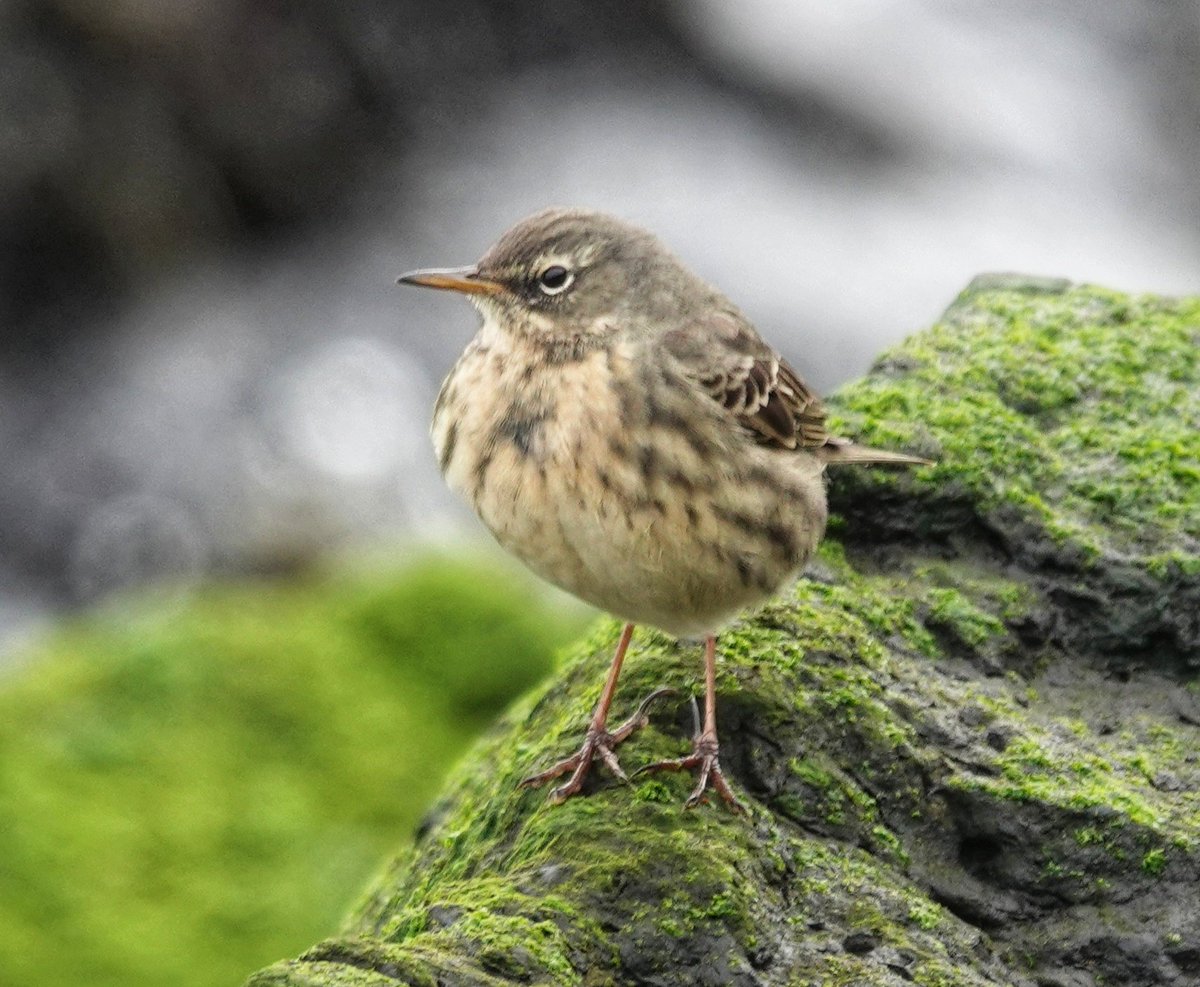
468,280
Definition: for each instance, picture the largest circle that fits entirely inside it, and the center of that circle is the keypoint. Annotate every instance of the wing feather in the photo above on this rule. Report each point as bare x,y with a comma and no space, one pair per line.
730,362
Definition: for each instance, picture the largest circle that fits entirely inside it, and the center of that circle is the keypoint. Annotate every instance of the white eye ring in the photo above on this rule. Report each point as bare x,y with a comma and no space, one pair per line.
555,279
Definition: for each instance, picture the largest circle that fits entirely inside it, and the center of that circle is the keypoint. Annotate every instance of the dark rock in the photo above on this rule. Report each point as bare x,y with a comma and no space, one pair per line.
859,943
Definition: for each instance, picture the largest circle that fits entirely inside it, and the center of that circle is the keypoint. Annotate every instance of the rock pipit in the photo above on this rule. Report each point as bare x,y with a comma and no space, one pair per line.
623,430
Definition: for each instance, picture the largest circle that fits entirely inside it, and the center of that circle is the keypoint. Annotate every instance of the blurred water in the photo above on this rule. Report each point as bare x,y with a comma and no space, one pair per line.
841,170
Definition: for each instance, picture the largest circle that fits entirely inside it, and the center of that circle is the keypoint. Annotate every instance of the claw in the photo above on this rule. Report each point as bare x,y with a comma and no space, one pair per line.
675,764
552,772
641,715
614,765
704,757
598,743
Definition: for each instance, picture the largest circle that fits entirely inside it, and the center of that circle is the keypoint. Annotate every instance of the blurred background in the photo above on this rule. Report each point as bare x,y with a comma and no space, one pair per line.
208,374
205,364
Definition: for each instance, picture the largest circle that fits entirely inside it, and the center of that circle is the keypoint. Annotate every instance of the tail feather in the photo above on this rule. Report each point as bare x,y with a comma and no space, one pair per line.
843,452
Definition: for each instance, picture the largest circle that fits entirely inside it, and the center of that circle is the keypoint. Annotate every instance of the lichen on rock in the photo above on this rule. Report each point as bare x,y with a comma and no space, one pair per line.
968,737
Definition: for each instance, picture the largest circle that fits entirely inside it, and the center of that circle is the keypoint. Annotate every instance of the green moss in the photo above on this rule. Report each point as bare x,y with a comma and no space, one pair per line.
678,873
950,609
513,946
721,905
925,914
672,927
1076,409
1155,862
1057,765
653,791
833,796
890,843
1030,773
186,796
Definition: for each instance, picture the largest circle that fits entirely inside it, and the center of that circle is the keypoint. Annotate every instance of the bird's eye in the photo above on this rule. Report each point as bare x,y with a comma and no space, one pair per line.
554,279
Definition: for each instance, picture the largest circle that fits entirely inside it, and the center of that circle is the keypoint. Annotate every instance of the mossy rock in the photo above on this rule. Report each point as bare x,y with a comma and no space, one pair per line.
1066,423
968,738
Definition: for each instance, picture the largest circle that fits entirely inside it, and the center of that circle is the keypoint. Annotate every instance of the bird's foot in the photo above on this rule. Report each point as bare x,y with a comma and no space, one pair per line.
704,758
598,743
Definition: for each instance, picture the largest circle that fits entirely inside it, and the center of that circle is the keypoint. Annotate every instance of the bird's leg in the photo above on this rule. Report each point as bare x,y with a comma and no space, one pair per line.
704,744
598,742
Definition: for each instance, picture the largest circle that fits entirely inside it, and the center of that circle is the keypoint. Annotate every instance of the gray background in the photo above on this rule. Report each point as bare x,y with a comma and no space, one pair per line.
205,366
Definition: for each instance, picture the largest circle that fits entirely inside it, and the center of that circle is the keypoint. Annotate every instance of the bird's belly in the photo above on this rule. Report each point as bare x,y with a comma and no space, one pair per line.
652,525
683,561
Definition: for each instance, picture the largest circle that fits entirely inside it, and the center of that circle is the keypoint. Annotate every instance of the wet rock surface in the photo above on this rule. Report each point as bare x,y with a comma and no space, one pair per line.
968,738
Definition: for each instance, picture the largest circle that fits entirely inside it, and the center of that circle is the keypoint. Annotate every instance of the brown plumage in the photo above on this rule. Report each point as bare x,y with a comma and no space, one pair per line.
624,430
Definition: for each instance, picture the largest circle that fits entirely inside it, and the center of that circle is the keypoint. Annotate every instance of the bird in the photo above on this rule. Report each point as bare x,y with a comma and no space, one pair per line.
622,428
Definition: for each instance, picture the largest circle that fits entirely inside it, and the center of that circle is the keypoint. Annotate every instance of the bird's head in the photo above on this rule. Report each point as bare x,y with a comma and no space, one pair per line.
572,272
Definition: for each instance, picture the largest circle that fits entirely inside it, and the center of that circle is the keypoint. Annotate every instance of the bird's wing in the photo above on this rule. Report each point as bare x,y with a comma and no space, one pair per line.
726,359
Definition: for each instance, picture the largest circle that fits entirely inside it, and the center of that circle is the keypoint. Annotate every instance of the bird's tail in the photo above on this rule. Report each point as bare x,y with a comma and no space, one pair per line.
843,452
